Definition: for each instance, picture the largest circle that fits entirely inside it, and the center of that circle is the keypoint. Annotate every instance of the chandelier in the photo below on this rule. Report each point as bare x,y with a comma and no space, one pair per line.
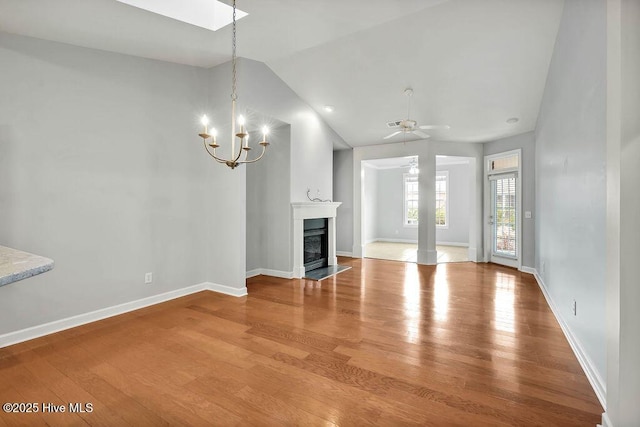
243,146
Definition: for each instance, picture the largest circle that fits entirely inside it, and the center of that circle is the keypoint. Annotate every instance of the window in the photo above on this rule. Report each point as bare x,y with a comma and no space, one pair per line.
410,200
504,164
442,201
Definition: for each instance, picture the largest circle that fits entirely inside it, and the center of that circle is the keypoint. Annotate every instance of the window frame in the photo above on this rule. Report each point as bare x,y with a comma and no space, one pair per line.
406,178
447,194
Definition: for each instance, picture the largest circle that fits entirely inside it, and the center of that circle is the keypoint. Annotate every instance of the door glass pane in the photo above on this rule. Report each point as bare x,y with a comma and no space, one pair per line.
504,214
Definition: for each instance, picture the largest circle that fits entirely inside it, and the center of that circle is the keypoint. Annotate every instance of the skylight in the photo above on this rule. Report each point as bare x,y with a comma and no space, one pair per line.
209,14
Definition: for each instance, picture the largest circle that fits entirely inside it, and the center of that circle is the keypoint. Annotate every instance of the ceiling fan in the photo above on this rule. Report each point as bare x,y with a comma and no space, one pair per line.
408,126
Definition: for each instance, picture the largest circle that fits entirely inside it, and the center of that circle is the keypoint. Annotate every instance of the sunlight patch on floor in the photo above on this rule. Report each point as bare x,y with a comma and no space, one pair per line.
408,252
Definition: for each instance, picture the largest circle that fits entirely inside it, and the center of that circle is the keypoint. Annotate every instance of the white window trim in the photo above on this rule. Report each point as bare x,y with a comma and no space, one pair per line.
445,173
404,200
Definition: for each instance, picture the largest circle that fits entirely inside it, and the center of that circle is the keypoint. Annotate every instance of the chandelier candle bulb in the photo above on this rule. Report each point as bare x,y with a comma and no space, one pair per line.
205,122
241,123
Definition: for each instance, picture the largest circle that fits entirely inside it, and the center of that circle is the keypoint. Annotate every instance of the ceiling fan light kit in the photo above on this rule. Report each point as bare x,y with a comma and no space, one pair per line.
408,125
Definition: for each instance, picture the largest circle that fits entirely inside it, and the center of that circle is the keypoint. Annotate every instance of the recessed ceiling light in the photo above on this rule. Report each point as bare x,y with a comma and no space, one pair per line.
513,120
329,108
209,14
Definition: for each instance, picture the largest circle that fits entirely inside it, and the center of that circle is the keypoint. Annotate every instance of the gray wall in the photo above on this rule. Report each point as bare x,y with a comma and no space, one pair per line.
526,142
101,170
390,207
389,201
460,202
228,219
311,138
370,200
570,177
268,206
309,165
343,192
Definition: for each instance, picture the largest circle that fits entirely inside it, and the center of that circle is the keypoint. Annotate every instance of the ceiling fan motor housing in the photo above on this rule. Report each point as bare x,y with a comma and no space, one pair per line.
408,124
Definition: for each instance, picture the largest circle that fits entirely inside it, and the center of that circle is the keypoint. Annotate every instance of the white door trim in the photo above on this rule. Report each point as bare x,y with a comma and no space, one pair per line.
488,244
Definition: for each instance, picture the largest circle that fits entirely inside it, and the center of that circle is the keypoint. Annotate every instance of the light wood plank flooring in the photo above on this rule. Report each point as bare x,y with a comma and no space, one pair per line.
385,343
393,251
408,252
452,254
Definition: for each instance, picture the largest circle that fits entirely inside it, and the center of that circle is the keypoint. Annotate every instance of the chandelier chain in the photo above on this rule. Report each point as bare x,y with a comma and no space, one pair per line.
234,96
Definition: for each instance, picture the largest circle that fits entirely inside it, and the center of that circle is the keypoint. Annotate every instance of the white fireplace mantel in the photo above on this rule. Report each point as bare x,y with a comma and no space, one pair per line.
310,210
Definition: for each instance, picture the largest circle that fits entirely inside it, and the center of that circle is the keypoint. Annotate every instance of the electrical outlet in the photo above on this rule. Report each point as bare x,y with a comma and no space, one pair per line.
148,278
575,308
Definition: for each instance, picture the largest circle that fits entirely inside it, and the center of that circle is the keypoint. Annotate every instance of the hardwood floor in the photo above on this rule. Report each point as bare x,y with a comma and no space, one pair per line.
385,343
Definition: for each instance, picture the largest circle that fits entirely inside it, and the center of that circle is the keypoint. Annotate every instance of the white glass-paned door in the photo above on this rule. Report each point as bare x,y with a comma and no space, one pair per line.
504,220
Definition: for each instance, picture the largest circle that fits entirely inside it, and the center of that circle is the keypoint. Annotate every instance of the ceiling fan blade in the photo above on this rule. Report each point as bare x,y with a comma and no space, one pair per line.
435,127
392,135
421,134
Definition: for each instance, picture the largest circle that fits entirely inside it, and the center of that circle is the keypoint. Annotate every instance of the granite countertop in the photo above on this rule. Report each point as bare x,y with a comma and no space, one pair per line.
17,265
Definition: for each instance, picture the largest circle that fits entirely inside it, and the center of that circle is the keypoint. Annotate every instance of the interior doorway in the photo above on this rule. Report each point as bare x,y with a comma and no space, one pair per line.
390,208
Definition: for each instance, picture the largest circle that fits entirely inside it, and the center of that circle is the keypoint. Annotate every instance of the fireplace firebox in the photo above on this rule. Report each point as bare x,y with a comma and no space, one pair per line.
316,243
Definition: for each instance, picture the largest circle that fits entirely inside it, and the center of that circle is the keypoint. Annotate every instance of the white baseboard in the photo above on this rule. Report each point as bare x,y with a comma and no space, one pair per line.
358,251
299,274
38,331
529,270
587,365
415,242
462,245
253,273
227,290
268,272
606,421
347,254
472,253
427,257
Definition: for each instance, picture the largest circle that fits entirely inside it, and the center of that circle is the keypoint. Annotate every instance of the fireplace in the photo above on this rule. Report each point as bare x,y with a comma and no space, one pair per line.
316,243
323,211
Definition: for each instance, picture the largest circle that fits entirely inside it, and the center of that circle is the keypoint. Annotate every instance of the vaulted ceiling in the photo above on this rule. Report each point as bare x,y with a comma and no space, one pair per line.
472,64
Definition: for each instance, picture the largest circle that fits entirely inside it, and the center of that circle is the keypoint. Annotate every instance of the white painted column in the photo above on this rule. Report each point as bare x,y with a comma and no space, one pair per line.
427,253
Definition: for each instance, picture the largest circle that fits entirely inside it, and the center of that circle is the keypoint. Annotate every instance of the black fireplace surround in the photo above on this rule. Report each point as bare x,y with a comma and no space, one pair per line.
316,243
